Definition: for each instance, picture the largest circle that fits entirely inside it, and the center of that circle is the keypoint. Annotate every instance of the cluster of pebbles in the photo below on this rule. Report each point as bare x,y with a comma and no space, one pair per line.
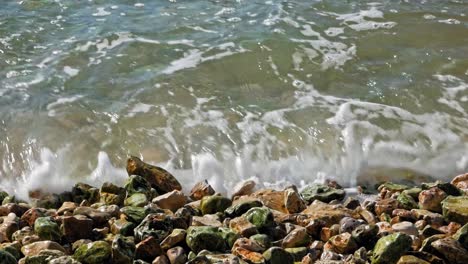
150,220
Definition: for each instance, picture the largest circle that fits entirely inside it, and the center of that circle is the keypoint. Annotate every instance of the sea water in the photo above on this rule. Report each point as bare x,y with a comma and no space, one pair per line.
282,92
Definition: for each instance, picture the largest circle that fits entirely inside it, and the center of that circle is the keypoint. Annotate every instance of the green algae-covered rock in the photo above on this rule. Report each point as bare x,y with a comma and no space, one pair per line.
123,250
390,248
393,187
155,225
322,193
228,235
122,227
12,248
205,237
137,200
111,194
413,192
462,236
214,204
297,253
241,208
47,229
277,255
43,257
261,217
82,191
137,184
3,195
6,257
135,214
455,208
262,239
406,201
97,252
447,187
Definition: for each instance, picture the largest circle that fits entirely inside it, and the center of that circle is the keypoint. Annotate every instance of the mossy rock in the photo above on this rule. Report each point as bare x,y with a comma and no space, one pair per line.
6,257
277,255
447,187
214,204
137,184
260,217
228,235
241,208
97,252
455,208
393,187
390,248
135,214
137,200
462,236
47,229
406,201
123,250
205,237
321,192
262,239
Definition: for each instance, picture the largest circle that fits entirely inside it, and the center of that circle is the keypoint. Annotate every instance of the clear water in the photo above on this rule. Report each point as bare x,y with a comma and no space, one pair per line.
281,91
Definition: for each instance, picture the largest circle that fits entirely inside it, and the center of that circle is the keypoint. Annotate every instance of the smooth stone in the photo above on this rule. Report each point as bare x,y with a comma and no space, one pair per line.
177,236
135,214
99,218
461,182
32,214
406,227
205,237
348,224
200,190
7,258
293,201
148,249
172,200
244,188
63,260
67,207
241,206
262,239
342,243
8,228
296,238
159,178
330,214
390,248
409,259
137,200
386,206
248,256
406,201
122,226
455,208
161,260
206,220
229,235
297,253
97,252
214,204
176,255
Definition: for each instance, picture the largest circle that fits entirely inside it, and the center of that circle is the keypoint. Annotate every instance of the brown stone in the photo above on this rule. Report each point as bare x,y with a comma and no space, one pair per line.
148,249
342,244
242,226
296,238
67,207
76,227
206,220
99,218
17,209
451,249
431,199
405,227
272,199
248,244
385,206
244,188
176,255
408,259
431,218
461,182
172,200
331,214
247,255
293,201
161,260
35,248
177,236
159,178
201,190
32,214
7,228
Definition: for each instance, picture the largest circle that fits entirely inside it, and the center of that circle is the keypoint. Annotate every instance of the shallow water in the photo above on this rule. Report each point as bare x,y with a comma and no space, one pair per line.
279,91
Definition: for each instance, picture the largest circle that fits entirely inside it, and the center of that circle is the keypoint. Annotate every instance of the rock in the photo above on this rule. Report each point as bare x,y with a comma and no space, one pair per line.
243,188
342,243
13,248
296,238
428,216
431,199
20,234
406,201
137,184
8,228
330,214
392,187
158,177
176,255
35,248
177,236
205,237
201,190
76,227
48,201
241,206
97,252
390,248
67,207
462,236
214,204
148,249
248,244
451,250
32,214
430,231
172,200
135,214
297,253
427,243
351,203
408,259
111,194
322,193
99,218
122,226
277,255
461,182
47,229
123,250
447,187
455,208
242,226
6,258
262,239
293,201
260,217
137,200
156,225
406,227
17,209
271,199
348,224
247,255
314,227
386,206
82,191
63,260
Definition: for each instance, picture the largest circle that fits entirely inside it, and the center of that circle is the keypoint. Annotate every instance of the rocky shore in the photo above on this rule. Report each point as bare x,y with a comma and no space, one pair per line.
150,220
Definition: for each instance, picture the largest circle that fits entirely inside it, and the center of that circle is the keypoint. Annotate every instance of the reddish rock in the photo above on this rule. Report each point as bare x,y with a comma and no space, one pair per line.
176,255
172,200
431,199
32,214
148,249
385,206
201,190
243,188
76,227
293,201
242,226
461,182
35,248
342,244
67,207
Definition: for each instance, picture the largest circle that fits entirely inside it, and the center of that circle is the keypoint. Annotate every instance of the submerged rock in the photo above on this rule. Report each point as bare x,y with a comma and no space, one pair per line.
159,178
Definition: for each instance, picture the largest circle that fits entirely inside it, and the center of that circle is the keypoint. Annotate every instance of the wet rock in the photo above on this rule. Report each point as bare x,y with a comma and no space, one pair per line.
427,243
8,228
322,193
135,214
405,227
214,204
82,191
428,216
462,236
277,255
32,214
406,201
451,250
199,260
241,206
447,187
123,250
112,194
137,184
156,225
342,243
76,227
35,248
177,236
122,226
426,257
351,203
47,229
461,182
271,199
390,248
22,233
330,214
260,217
206,220
348,224
172,200
97,252
148,249
296,238
431,199
293,201
99,218
247,255
137,200
243,188
63,260
201,190
430,231
67,207
386,206
161,260
314,227
261,239
392,187
297,253
159,178
408,259
455,208
205,237
176,255
13,248
47,201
